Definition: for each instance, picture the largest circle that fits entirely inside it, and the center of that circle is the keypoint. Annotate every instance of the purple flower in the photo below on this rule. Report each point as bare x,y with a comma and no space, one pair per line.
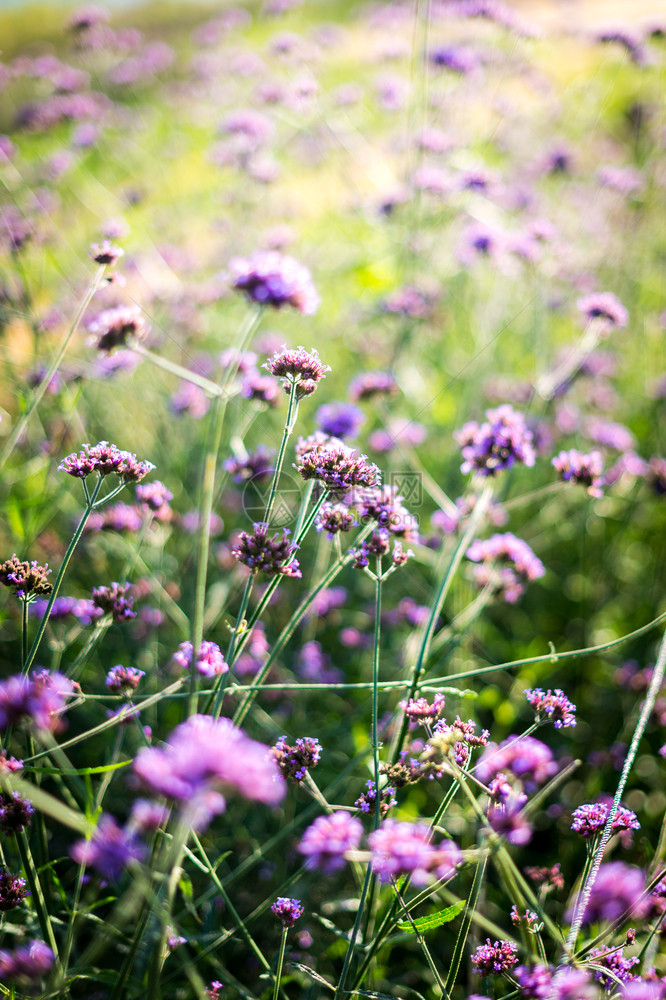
287,910
384,505
210,660
337,467
507,563
608,433
110,849
534,981
617,888
616,963
556,707
590,819
507,818
115,600
15,813
372,384
40,698
569,983
117,327
123,680
526,919
273,279
366,800
261,554
655,475
106,252
206,759
300,366
104,459
13,889
119,517
492,959
606,307
419,710
155,498
64,607
256,466
26,579
295,761
326,841
341,420
405,849
527,758
576,467
28,964
335,517
497,444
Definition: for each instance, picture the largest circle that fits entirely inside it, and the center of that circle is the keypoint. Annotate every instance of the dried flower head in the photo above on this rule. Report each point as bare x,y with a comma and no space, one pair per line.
26,579
261,554
117,327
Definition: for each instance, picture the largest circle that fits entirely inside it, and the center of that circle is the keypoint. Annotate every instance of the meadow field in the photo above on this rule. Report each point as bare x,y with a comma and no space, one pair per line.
333,479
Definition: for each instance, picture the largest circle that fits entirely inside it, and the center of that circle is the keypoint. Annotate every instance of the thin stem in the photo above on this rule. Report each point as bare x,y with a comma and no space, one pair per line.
280,961
240,627
423,945
646,711
183,373
38,900
38,394
340,989
24,631
41,628
470,908
375,687
292,413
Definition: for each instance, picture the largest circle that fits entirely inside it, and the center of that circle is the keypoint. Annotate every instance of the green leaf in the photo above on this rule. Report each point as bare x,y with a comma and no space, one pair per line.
424,924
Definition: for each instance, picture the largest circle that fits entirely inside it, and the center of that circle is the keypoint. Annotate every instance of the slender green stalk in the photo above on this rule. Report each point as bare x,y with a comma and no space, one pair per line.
292,414
375,687
41,628
182,373
24,632
424,948
38,394
280,962
340,989
38,900
470,909
646,710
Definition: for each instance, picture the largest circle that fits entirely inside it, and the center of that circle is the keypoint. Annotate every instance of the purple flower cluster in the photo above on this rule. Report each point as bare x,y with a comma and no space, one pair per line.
27,964
498,443
119,517
526,758
366,801
338,468
606,307
335,517
85,611
590,819
507,563
106,252
340,420
105,459
421,711
455,740
116,600
494,958
535,981
117,327
372,384
298,367
384,505
110,849
296,760
287,910
261,554
13,889
577,467
155,498
555,706
124,680
274,279
256,466
616,963
40,698
618,889
204,760
26,579
405,849
210,661
15,813
328,839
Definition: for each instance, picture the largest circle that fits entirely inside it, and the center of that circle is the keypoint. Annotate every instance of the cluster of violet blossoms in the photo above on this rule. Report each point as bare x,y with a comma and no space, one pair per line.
506,563
27,579
299,368
105,459
499,443
273,556
273,279
40,698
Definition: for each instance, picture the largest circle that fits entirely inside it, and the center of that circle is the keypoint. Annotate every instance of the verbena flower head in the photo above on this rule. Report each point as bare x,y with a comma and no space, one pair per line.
506,564
40,699
296,760
341,420
287,910
338,468
497,444
105,459
405,849
421,711
327,840
615,962
298,367
618,888
577,467
494,958
372,384
27,964
590,819
526,919
119,517
334,518
110,849
117,327
106,252
507,818
261,554
555,707
15,813
384,505
204,760
213,992
274,279
257,466
155,498
124,680
210,661
604,306
116,600
13,889
525,757
366,800
26,579
63,608
453,741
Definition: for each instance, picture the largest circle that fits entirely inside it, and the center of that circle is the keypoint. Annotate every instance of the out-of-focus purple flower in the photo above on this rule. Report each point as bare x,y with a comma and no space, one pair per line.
110,849
341,420
190,399
104,459
643,989
334,518
27,964
124,680
326,841
26,579
655,475
287,910
15,813
608,433
501,441
616,963
210,661
506,563
527,758
106,253
576,467
534,981
606,307
507,818
458,58
40,698
372,384
273,279
64,607
313,664
570,983
213,991
590,819
119,517
405,849
117,327
261,554
206,759
296,760
618,888
409,300
556,707
261,388
494,958
155,498
257,466
116,600
147,816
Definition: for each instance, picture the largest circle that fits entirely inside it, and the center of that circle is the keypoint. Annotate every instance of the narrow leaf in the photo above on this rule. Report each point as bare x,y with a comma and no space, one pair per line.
427,923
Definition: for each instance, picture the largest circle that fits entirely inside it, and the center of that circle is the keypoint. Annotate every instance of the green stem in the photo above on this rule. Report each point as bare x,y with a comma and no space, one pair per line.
292,413
375,687
239,628
24,632
470,908
38,394
424,948
28,661
38,900
280,961
340,989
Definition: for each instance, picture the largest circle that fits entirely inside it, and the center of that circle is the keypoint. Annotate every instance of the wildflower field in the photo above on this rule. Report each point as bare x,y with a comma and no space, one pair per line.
333,475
